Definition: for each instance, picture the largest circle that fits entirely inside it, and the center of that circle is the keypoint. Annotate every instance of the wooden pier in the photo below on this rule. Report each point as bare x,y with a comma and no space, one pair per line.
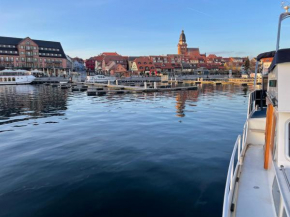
125,87
94,89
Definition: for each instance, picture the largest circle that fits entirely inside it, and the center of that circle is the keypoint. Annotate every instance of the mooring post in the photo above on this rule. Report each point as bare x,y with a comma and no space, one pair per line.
109,82
117,83
155,85
145,85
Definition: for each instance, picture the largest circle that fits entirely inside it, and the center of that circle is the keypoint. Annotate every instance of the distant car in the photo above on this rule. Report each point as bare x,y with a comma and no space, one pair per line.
259,75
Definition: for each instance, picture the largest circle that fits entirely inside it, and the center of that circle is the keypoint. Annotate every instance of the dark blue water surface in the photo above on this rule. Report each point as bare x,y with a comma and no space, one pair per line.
158,154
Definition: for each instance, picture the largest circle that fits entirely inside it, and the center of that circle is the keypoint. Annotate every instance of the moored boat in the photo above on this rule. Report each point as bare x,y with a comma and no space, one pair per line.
258,180
99,79
9,76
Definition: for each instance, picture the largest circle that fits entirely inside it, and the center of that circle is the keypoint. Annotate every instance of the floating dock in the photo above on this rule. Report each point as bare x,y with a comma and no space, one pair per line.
97,89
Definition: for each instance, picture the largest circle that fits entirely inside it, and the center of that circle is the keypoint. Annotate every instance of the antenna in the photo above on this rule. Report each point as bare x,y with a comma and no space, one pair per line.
285,5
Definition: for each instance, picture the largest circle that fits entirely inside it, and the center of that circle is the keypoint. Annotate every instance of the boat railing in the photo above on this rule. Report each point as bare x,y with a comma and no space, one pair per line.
234,166
231,181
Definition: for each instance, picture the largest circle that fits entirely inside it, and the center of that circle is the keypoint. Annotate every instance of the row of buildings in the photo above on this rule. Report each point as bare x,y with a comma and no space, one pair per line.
115,64
49,56
187,60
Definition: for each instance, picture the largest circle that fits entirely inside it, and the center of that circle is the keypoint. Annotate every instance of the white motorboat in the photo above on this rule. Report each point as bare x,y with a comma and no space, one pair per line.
258,180
9,76
99,79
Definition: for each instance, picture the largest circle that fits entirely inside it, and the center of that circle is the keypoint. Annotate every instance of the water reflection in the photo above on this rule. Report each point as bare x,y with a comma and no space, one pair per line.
27,102
181,98
30,102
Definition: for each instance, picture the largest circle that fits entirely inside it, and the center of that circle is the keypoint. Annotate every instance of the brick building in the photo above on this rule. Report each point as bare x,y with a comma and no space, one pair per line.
27,53
143,65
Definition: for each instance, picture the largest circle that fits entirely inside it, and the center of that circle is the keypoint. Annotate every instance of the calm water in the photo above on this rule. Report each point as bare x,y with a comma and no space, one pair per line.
158,154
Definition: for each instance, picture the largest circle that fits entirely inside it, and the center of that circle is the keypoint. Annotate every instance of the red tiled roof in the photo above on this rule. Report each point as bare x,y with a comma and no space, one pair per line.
110,54
119,68
114,58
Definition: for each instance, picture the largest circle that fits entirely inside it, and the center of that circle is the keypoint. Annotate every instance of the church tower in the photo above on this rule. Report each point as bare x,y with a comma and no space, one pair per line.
182,46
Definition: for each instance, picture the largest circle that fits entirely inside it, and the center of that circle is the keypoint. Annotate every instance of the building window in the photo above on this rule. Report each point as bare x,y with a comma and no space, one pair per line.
22,59
21,47
28,43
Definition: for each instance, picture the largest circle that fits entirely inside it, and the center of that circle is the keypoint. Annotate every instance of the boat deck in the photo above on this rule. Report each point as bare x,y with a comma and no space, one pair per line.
254,193
260,114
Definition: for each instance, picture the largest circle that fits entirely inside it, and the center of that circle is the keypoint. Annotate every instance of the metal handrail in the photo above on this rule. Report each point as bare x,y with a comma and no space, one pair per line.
282,17
238,150
232,172
245,134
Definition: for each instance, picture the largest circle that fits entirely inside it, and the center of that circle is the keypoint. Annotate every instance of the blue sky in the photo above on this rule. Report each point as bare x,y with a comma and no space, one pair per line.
149,27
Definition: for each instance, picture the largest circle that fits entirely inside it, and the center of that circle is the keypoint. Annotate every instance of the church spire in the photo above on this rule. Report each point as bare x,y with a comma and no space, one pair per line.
182,37
182,46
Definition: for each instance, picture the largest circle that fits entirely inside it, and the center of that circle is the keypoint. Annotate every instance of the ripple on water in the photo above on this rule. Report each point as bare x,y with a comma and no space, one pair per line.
149,154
